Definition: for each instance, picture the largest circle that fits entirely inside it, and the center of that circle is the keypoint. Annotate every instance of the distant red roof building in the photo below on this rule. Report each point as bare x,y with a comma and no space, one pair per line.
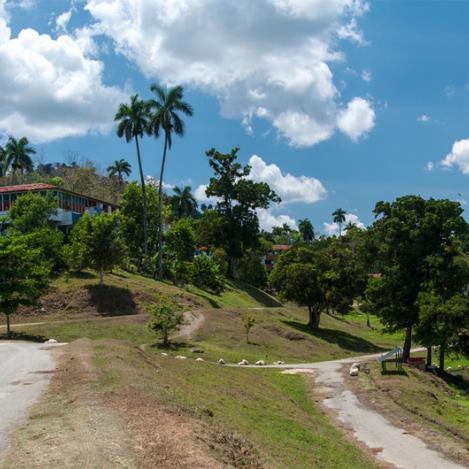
271,257
71,205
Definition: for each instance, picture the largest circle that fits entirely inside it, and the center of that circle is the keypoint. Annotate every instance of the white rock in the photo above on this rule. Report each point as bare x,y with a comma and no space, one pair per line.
354,371
355,365
243,362
180,357
199,359
51,341
260,363
163,354
221,361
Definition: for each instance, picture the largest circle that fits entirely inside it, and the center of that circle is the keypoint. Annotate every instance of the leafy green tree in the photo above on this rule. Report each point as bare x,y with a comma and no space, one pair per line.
100,242
183,202
251,268
339,218
416,241
165,319
204,273
180,244
238,198
297,277
285,235
324,276
165,117
19,155
248,322
31,213
120,168
131,213
23,274
133,122
306,230
441,321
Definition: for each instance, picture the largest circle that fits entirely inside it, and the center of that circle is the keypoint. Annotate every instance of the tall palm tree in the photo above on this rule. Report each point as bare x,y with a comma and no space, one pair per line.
19,155
165,117
119,168
339,218
133,121
184,202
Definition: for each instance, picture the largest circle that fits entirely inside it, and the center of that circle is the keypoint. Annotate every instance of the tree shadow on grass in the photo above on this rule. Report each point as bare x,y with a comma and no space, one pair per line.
258,295
23,336
343,339
112,301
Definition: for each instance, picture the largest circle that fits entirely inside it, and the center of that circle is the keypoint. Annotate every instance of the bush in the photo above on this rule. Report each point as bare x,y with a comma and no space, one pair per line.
204,273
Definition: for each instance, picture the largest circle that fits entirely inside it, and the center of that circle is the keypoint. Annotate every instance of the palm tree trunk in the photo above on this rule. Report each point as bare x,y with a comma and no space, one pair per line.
160,212
144,196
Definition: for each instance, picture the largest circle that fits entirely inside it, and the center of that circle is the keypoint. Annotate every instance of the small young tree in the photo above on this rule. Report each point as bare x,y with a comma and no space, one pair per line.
204,273
166,318
23,274
98,240
248,322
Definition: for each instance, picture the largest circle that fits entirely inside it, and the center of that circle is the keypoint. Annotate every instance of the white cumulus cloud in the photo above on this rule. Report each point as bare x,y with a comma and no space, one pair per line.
267,220
50,88
290,188
263,59
333,228
459,156
357,119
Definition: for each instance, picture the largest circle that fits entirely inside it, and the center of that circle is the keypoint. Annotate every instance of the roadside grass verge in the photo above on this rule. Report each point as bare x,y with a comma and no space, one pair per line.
421,399
271,412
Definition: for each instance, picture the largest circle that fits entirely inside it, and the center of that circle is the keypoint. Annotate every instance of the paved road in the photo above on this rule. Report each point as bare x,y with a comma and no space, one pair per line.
392,444
24,373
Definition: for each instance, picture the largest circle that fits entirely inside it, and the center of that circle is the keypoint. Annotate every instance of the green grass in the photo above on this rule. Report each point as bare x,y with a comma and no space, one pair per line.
428,398
271,412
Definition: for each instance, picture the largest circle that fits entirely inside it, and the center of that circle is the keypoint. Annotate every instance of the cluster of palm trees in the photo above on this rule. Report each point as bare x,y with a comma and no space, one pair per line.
16,157
158,116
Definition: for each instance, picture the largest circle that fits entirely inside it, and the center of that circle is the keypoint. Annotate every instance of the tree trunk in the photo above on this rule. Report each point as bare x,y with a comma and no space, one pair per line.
232,268
144,197
160,212
165,338
8,326
314,317
407,343
442,357
429,357
101,278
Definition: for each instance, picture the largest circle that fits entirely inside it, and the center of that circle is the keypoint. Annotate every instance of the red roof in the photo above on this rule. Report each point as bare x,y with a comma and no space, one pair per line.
40,186
280,247
27,187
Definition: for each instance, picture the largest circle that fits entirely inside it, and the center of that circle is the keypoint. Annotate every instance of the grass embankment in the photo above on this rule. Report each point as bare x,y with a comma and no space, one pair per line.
423,402
79,296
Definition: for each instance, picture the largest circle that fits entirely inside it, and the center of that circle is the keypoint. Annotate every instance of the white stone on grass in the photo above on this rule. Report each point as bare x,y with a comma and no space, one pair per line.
180,357
199,359
221,361
243,362
354,371
260,363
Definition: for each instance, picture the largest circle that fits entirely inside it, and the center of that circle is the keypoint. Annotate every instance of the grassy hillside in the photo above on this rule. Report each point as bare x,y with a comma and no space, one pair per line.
79,297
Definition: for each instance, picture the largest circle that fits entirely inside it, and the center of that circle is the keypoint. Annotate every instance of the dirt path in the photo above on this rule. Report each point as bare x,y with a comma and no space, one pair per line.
388,442
24,373
194,319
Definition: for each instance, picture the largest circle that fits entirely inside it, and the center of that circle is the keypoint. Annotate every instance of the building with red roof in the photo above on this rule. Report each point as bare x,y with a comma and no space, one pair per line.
71,205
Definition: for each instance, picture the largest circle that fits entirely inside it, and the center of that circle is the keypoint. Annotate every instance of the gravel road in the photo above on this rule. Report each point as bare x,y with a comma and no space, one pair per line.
24,373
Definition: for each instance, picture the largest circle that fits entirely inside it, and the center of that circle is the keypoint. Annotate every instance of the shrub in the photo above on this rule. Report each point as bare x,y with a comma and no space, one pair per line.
166,318
204,273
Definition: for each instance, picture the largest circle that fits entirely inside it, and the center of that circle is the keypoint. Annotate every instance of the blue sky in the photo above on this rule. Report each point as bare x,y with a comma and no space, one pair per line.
356,101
